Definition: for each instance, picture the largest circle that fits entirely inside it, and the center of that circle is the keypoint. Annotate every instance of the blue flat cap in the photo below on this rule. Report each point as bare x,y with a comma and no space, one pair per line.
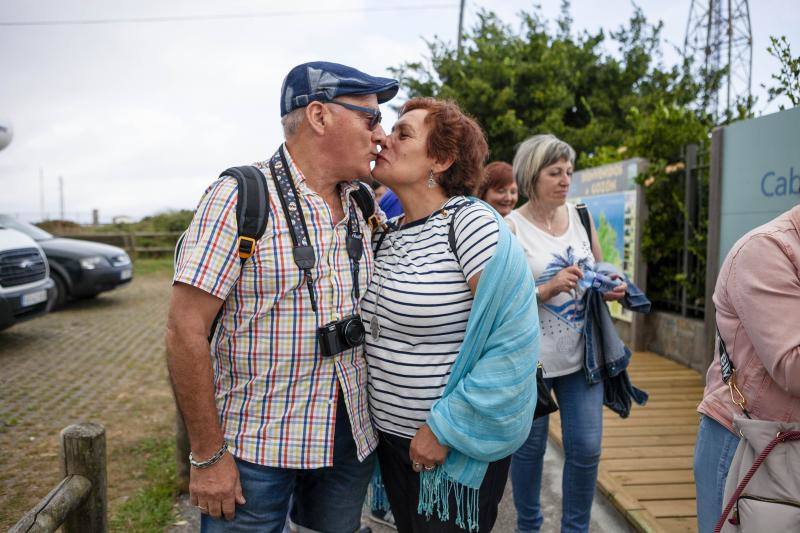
321,81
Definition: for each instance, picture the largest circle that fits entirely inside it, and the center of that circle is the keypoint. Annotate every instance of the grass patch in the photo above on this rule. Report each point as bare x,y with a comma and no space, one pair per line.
151,508
153,265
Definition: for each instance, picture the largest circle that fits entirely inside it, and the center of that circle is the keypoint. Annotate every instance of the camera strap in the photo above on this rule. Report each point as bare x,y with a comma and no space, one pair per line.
303,253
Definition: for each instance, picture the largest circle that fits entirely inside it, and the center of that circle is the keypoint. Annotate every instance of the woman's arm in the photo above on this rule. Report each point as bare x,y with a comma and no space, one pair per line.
765,291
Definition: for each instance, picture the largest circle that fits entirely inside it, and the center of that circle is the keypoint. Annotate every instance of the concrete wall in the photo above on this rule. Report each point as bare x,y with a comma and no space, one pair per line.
624,330
678,338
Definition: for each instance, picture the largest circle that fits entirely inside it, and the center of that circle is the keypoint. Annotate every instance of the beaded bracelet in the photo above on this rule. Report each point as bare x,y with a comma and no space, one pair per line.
214,459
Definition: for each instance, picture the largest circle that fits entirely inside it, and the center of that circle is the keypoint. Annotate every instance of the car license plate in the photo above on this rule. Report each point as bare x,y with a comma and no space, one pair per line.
126,274
34,298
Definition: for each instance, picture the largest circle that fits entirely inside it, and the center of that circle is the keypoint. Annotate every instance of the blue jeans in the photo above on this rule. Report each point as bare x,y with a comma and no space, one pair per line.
713,454
323,499
581,408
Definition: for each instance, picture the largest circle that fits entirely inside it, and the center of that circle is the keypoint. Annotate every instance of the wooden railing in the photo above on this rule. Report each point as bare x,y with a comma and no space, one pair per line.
136,244
79,501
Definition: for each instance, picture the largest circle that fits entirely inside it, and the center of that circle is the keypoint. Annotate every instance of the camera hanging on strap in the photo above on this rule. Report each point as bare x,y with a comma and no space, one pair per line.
340,335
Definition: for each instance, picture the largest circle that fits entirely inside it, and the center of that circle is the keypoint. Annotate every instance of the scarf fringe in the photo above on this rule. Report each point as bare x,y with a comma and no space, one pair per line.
379,501
434,495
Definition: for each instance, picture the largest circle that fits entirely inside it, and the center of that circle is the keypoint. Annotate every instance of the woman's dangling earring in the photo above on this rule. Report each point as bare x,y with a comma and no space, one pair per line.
431,181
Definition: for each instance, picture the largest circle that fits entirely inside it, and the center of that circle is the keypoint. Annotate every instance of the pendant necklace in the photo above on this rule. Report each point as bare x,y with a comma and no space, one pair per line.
375,328
548,223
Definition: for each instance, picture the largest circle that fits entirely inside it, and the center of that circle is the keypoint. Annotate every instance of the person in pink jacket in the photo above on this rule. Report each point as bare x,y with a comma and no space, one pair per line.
758,304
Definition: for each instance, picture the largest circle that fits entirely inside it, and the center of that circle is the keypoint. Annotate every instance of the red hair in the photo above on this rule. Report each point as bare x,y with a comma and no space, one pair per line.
498,174
453,135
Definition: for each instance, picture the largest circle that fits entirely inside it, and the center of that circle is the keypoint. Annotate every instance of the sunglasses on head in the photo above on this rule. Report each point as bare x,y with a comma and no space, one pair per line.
374,114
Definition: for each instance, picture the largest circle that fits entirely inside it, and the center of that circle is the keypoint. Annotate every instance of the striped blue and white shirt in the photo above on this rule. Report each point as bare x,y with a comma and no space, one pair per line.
420,298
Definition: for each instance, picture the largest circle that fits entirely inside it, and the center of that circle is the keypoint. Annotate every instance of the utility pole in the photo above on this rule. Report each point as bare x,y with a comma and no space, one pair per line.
61,196
460,26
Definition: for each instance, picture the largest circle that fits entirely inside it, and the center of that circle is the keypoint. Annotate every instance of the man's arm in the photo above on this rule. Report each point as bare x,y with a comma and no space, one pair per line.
191,313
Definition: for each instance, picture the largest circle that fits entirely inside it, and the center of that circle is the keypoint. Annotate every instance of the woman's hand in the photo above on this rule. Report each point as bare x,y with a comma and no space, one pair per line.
617,294
565,281
425,450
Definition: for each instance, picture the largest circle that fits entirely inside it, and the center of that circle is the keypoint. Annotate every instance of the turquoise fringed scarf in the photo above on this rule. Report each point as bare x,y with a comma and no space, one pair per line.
486,409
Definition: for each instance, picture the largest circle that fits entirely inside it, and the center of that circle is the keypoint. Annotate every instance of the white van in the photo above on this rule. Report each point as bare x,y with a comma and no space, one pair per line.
26,290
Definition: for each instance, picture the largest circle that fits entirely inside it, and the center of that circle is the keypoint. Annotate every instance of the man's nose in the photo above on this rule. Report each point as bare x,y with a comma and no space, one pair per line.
378,135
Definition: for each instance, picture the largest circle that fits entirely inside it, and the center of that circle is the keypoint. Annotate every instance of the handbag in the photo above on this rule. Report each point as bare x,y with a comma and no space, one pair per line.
762,488
545,403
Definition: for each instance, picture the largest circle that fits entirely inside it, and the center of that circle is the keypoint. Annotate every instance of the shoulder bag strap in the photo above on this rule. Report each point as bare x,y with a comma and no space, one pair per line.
729,375
451,231
583,214
377,247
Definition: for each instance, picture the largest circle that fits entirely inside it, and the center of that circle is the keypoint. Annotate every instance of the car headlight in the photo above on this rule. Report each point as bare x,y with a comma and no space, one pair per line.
90,263
120,260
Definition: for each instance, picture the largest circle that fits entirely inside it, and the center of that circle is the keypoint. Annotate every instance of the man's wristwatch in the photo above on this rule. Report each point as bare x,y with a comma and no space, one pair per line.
536,293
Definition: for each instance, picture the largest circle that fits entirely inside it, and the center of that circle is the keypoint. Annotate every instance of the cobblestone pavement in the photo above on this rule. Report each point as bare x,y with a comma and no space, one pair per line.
99,360
102,360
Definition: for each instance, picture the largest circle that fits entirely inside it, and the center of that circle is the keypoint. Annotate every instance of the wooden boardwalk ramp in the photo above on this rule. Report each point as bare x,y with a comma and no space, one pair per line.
646,464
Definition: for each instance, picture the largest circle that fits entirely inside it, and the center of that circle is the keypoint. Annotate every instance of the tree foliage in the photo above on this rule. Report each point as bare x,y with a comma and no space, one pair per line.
608,106
518,83
788,77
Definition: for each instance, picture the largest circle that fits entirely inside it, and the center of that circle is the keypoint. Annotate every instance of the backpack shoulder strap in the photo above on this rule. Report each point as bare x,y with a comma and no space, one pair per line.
252,207
583,214
366,203
451,232
252,215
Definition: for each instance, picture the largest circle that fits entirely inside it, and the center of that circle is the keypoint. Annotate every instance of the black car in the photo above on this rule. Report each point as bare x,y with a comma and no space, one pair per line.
80,269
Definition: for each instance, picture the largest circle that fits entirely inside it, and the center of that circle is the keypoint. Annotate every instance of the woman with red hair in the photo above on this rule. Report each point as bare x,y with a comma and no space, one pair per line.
498,188
451,388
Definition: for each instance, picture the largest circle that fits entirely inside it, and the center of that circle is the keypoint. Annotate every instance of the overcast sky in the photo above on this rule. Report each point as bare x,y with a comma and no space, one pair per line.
140,117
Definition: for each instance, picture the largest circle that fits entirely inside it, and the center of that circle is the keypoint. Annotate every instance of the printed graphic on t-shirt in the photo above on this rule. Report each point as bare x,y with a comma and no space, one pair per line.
571,311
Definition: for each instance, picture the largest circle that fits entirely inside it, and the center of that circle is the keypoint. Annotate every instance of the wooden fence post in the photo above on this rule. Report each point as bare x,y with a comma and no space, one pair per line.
83,452
132,244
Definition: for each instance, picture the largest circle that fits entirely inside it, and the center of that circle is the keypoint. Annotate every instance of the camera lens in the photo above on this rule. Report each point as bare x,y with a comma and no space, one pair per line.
354,331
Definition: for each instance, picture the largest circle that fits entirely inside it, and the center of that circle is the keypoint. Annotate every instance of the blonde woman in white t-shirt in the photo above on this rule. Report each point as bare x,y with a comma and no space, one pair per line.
558,252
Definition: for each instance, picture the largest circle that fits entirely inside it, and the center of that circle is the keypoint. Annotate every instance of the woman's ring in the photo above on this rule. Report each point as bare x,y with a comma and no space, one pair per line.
430,467
202,509
416,467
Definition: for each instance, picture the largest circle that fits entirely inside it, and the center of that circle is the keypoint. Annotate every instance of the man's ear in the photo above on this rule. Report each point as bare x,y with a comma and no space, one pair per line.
318,116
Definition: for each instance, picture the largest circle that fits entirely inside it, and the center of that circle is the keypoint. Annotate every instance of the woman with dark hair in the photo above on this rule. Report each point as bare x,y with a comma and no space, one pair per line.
498,188
453,331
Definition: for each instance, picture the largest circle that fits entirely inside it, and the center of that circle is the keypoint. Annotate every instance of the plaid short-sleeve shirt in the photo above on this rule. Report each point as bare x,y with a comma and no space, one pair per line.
275,393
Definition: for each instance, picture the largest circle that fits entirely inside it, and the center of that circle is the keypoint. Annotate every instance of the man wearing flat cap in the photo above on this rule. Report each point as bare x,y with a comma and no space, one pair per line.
275,403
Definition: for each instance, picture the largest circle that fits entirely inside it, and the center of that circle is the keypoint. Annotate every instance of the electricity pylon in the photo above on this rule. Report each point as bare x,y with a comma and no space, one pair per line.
719,39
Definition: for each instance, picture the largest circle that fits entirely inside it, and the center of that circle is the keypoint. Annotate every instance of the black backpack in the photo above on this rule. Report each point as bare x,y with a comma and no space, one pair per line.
253,211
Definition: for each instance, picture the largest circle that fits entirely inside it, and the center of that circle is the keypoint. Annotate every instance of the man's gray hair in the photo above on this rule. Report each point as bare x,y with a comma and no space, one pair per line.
533,155
292,120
